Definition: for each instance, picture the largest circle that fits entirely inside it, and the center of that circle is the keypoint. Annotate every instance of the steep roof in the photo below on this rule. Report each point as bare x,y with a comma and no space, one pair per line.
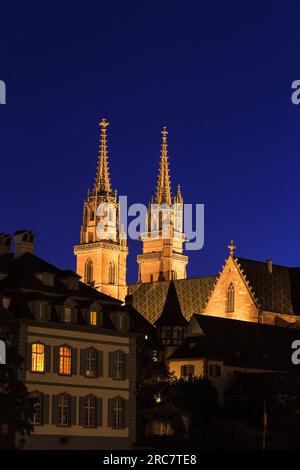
277,289
172,314
239,343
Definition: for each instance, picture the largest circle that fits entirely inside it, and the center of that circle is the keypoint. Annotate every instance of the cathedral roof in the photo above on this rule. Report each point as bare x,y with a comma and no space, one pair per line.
172,314
276,288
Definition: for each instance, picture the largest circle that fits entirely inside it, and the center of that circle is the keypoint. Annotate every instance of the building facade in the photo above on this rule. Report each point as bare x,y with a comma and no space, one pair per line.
80,354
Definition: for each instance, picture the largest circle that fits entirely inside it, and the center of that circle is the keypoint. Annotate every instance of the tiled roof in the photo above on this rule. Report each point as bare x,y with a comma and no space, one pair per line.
171,314
277,290
149,298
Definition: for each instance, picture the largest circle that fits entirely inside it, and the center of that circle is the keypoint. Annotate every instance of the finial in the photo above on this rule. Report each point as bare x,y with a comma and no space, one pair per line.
232,247
104,123
164,134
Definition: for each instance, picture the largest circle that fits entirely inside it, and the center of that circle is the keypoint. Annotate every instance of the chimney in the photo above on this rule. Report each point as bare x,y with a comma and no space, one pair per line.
24,242
270,265
5,241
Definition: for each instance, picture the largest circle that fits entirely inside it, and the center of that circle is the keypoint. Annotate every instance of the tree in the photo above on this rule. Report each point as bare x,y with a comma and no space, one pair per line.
16,405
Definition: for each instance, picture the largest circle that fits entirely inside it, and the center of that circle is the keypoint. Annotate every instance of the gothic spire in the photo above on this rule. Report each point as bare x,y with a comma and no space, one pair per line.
178,197
163,189
102,181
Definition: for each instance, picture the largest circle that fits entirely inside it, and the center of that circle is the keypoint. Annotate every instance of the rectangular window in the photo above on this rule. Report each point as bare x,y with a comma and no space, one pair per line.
90,411
67,314
65,360
40,311
93,318
63,410
91,363
119,364
118,413
37,410
37,357
187,371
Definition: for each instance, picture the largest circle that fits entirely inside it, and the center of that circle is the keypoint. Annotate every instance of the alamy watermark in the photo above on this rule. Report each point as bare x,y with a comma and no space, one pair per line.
156,221
2,352
2,92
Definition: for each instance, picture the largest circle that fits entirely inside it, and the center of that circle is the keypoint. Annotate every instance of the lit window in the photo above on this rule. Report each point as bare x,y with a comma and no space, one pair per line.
65,359
37,409
90,411
119,365
93,318
118,413
67,314
187,371
230,299
91,362
37,357
63,410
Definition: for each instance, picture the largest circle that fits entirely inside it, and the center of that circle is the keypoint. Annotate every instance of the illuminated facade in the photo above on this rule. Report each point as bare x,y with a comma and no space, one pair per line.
102,252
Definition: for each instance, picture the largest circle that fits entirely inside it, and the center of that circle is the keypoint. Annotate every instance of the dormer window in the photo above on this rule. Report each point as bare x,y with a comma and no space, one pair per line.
40,311
93,318
67,314
46,278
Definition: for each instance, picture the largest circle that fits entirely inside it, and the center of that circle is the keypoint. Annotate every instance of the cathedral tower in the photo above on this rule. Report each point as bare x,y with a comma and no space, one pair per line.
101,255
162,257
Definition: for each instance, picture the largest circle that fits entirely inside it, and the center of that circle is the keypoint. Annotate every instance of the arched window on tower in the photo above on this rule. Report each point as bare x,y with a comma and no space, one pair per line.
112,273
230,298
89,276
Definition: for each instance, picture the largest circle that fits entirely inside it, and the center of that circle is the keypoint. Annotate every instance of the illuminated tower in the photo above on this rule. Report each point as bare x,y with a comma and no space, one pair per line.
101,255
162,257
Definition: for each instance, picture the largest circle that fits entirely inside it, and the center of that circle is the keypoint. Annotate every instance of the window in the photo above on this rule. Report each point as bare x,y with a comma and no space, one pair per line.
37,357
40,311
118,365
37,409
90,237
187,371
67,314
89,276
91,363
118,413
230,298
173,275
214,370
157,428
92,215
63,410
65,360
112,273
90,411
172,335
93,318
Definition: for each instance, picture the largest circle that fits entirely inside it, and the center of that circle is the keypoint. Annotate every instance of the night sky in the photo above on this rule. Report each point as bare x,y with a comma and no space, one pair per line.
217,74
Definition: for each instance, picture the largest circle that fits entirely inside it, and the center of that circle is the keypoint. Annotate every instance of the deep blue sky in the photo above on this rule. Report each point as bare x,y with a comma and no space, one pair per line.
217,74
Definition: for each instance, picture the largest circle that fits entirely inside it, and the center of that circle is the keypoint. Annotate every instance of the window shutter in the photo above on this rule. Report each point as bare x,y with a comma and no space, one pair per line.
82,361
46,403
28,356
47,358
126,413
55,359
100,364
182,371
74,361
81,411
99,411
49,312
110,411
111,365
54,409
73,401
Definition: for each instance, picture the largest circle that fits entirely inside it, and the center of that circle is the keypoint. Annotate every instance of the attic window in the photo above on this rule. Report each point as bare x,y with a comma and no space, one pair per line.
67,314
40,311
230,299
46,278
71,282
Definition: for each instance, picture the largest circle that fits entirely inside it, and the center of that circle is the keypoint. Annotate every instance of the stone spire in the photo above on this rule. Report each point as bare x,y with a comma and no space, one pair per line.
178,198
163,189
102,184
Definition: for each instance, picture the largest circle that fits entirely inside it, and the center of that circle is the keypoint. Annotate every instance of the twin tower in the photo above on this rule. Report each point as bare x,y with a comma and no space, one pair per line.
102,253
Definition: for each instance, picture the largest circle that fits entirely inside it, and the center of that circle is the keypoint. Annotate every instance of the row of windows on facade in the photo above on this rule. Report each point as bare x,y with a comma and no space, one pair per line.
188,370
89,273
90,411
65,361
42,312
90,215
